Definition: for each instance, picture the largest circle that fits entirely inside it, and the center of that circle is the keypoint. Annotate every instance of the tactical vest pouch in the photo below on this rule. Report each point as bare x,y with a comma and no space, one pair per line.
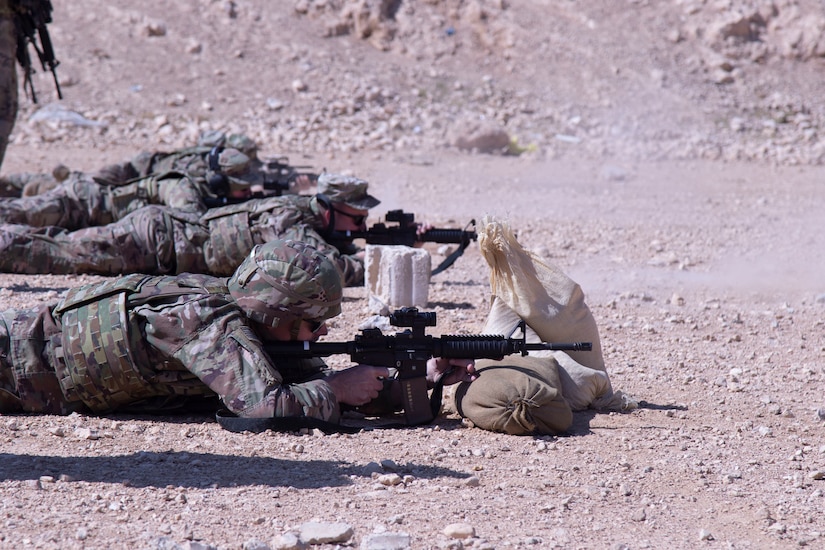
230,241
131,196
97,360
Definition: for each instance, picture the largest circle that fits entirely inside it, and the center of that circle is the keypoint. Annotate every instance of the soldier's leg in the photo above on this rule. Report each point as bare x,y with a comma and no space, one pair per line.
8,81
9,400
142,242
28,381
76,203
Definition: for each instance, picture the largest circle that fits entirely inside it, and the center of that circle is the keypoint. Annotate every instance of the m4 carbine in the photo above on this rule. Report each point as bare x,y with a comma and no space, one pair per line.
408,352
30,17
406,233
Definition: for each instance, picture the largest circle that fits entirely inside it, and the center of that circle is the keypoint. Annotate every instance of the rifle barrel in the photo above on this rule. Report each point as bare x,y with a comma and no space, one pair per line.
454,347
447,236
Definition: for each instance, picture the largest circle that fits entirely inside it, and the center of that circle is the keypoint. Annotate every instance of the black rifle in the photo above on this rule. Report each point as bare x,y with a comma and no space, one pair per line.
278,176
408,352
30,19
406,233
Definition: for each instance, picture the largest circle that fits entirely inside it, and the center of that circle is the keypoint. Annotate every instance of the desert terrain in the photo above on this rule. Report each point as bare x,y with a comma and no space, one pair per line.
668,156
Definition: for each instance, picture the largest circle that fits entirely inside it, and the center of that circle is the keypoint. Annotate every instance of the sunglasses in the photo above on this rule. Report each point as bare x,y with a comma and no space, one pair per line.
315,326
357,219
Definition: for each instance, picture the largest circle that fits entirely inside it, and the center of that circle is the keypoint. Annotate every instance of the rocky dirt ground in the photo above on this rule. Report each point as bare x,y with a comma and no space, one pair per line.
667,155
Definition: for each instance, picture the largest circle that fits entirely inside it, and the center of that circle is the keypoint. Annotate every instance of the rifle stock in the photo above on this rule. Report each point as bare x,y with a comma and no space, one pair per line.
408,352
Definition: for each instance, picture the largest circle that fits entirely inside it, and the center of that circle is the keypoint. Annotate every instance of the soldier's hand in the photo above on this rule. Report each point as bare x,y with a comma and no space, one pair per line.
453,371
357,385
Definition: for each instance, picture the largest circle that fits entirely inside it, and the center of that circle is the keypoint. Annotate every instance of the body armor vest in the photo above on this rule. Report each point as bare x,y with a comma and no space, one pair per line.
99,356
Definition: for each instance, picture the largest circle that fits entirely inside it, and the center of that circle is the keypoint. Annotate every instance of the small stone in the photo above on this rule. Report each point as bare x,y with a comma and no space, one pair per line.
389,479
255,544
387,541
472,481
324,533
288,541
460,531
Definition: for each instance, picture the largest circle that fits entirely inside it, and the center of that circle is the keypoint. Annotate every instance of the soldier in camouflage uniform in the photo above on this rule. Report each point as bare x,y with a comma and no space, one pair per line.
191,161
80,201
145,343
155,342
8,75
159,240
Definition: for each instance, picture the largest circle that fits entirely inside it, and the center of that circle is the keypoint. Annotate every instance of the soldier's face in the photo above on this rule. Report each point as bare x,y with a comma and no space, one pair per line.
348,218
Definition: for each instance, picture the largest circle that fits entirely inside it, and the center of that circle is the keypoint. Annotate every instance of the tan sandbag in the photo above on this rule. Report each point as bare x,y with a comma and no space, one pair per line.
517,395
538,292
582,387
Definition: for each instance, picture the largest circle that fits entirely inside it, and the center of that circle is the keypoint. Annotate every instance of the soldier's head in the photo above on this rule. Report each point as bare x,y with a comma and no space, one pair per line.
230,173
289,288
346,201
244,144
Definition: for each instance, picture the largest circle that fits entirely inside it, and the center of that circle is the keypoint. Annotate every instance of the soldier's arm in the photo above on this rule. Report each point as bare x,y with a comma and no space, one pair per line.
182,193
232,362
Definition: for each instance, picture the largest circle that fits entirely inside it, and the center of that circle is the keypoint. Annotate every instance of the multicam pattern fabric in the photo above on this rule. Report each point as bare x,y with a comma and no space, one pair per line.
282,281
158,240
154,240
186,337
349,190
190,161
296,217
81,202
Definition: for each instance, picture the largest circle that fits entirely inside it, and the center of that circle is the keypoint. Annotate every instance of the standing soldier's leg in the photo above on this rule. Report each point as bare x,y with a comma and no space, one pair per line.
8,76
142,242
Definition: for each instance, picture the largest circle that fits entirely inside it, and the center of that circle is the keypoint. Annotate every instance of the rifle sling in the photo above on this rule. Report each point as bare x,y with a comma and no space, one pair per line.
237,424
450,260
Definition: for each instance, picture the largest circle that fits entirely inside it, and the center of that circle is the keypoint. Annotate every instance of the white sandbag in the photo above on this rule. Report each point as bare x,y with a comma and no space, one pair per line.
553,308
540,293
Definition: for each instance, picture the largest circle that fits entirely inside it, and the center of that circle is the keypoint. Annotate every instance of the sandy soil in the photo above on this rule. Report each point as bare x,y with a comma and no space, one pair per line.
692,222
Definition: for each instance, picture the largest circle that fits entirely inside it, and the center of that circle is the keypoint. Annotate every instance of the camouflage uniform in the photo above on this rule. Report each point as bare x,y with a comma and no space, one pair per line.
80,201
8,75
159,240
150,342
190,161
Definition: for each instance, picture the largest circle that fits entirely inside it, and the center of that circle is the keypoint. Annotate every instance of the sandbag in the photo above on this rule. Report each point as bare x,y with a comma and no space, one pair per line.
540,293
518,395
554,310
582,387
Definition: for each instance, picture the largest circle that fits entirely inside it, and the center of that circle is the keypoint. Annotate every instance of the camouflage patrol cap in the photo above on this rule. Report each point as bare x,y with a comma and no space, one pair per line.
349,190
244,144
237,167
284,281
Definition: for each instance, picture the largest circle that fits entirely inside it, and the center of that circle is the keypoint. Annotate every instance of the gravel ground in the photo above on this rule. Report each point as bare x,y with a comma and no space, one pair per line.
701,258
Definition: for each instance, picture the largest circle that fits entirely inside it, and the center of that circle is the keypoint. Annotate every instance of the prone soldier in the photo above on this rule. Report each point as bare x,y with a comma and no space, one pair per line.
149,343
161,240
82,201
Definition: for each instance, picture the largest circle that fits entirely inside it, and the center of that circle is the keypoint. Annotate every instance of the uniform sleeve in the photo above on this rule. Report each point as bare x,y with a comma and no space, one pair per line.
232,362
182,194
349,264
